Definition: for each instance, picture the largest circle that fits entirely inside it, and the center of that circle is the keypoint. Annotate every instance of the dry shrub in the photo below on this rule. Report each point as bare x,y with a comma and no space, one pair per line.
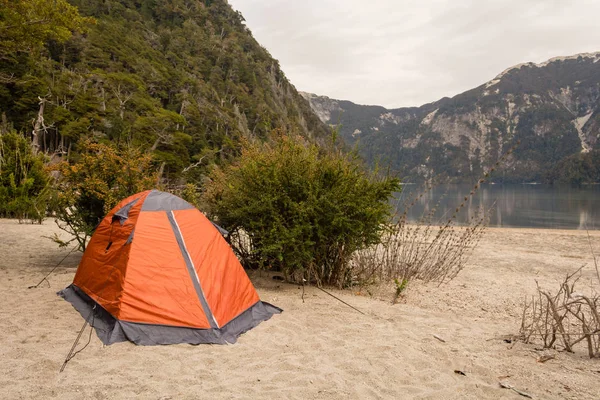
564,319
429,249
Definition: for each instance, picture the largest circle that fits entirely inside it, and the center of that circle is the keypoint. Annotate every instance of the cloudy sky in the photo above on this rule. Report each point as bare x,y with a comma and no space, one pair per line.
410,52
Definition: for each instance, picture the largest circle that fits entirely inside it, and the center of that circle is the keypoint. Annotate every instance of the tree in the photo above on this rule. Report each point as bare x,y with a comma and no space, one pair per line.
123,87
24,183
160,127
26,25
90,187
304,210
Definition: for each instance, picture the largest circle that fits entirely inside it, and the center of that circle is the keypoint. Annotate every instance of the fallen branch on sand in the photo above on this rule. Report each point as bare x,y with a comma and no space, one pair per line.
439,338
505,385
565,319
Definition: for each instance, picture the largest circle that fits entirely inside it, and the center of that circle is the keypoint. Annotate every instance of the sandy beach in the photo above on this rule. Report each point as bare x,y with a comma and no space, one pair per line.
318,348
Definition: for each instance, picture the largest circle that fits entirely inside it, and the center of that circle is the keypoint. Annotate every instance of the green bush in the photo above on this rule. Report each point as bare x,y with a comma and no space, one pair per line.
23,179
303,210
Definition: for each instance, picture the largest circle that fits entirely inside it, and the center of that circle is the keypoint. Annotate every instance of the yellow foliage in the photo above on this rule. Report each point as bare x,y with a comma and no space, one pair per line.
102,176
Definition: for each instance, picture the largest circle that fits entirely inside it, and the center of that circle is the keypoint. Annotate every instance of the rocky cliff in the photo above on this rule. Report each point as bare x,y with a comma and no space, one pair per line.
551,108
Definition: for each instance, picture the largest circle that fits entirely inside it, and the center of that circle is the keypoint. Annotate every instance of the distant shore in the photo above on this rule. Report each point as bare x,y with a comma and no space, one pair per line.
510,205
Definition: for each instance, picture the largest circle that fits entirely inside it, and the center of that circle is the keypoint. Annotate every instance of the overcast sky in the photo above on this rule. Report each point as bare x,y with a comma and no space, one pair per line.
410,52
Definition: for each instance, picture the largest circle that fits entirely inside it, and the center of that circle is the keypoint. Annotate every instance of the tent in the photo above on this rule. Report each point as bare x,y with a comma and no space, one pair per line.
157,271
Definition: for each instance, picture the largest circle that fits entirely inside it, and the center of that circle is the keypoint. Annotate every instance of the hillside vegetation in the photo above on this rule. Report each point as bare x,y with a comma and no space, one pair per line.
183,79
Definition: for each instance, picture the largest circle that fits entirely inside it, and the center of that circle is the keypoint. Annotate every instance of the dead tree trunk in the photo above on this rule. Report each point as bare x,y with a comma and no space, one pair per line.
3,125
39,128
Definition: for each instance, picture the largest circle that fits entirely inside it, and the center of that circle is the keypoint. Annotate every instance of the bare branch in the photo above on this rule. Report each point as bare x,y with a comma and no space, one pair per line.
199,162
574,316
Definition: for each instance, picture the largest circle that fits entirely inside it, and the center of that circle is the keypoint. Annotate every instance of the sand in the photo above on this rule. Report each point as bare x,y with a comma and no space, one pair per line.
316,349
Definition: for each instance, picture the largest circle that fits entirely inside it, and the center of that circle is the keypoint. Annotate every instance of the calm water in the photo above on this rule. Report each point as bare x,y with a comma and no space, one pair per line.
530,206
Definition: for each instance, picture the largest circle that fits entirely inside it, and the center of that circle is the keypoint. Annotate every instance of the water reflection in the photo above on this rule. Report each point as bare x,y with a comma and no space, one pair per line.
536,206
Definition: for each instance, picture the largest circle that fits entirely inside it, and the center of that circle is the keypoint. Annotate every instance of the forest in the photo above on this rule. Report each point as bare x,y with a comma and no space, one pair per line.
184,79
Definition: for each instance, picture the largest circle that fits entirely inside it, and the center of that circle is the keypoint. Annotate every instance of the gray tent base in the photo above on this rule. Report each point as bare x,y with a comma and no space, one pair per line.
111,330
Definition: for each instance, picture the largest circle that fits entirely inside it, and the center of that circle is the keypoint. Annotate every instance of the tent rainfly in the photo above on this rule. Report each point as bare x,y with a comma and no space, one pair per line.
157,271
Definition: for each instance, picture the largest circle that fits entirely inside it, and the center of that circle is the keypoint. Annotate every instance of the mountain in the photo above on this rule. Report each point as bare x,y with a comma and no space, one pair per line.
184,79
551,108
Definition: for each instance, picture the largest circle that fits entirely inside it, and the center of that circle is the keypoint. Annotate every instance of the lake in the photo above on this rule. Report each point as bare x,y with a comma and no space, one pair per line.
514,205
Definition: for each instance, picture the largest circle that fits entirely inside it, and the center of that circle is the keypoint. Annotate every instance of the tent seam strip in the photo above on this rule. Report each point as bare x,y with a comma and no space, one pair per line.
190,263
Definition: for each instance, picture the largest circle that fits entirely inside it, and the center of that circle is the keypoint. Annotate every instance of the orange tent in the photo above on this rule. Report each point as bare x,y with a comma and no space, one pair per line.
157,271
